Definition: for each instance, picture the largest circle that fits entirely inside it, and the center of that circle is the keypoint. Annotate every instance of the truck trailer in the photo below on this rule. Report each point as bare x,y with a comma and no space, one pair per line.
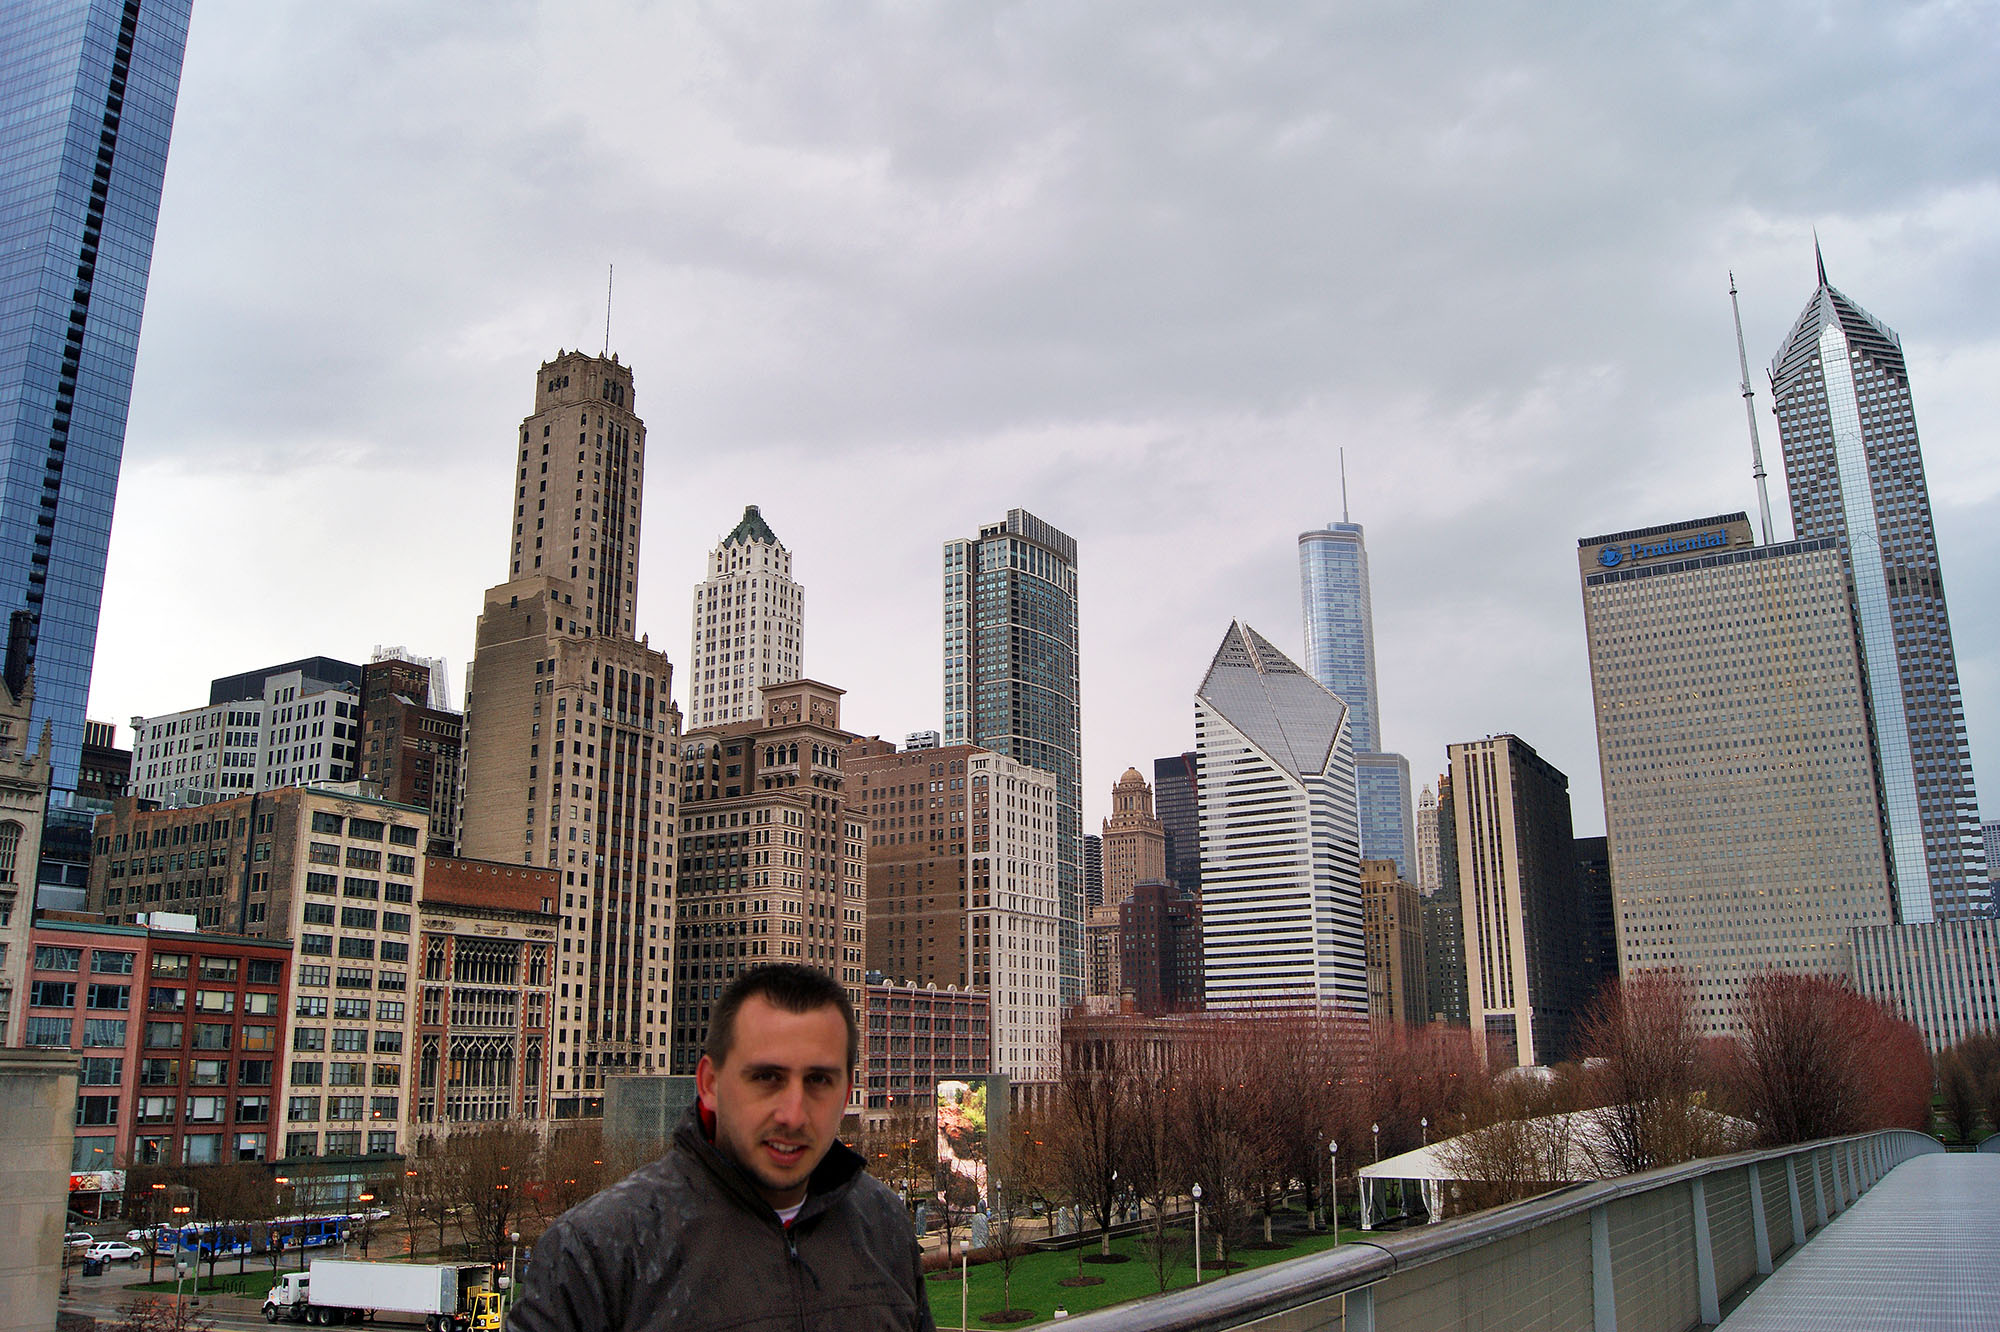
449,1297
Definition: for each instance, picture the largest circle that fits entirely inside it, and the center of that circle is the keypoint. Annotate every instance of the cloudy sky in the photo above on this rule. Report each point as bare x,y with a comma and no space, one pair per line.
889,270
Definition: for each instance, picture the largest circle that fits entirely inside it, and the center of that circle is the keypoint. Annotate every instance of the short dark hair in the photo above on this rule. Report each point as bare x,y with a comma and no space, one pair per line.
784,985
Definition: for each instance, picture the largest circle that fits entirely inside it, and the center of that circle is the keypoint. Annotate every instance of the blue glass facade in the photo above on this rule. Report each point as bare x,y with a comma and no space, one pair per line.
87,93
1340,623
1339,616
1011,681
1854,468
1388,825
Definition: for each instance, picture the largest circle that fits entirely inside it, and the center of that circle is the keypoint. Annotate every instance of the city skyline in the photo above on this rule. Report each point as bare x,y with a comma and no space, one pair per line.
1083,350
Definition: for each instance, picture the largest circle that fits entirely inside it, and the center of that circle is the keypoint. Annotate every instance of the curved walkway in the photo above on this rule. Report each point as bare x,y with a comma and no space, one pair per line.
1920,1250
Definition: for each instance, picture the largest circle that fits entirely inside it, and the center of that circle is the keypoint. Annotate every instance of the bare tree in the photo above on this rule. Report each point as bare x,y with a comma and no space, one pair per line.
153,1313
1093,1104
1647,1074
1515,1141
575,1165
1227,1148
489,1168
1958,1090
1007,1163
1158,1176
1819,1060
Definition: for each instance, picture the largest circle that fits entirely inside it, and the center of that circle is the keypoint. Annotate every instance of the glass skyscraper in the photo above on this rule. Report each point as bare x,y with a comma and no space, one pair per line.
1010,680
1340,653
87,93
1841,390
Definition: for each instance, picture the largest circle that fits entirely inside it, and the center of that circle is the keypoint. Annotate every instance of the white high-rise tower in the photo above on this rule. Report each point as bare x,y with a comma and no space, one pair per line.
749,625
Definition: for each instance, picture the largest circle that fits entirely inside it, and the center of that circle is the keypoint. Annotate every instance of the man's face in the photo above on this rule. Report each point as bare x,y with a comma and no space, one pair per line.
779,1096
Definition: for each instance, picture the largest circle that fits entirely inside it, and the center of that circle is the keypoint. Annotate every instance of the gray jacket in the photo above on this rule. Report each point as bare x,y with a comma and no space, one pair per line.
687,1242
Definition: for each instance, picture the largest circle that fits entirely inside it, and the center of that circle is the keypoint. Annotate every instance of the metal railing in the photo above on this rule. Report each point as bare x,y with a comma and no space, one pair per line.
1990,1144
1660,1251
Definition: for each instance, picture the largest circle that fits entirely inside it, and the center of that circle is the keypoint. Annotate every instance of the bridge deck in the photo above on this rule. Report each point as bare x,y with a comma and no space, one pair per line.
1920,1250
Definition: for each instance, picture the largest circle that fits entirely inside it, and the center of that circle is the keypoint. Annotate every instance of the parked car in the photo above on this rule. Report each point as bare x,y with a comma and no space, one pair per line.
79,1239
141,1236
114,1251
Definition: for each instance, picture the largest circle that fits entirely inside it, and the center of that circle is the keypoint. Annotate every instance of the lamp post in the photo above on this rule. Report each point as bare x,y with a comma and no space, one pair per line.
1197,1234
153,1244
1425,1125
367,1222
1376,1129
1333,1185
513,1253
180,1269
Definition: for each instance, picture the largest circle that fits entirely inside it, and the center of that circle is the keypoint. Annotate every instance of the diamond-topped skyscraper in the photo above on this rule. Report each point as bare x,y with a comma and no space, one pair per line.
1841,389
1339,615
1280,856
87,93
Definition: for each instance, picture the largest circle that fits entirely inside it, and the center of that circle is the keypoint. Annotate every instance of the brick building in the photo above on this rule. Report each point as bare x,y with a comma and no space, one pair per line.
962,884
409,748
772,865
180,1035
333,869
1392,921
489,933
915,1036
1159,941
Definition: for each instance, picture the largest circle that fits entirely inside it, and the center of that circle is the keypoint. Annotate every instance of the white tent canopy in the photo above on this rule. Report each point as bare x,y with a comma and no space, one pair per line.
1575,1145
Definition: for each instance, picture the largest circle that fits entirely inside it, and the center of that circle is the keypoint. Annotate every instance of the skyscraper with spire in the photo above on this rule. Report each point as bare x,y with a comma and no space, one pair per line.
1339,615
749,625
1854,468
571,733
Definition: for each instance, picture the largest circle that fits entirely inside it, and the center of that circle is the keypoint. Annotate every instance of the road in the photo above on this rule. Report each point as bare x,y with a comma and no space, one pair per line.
105,1297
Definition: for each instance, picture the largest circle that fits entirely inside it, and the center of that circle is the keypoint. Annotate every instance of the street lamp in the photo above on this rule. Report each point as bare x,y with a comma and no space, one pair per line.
1425,1125
153,1244
509,1282
1197,1234
1376,1129
367,1221
1333,1185
180,1269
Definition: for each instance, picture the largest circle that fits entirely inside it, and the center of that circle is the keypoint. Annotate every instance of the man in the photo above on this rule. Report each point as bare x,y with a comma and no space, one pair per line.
756,1216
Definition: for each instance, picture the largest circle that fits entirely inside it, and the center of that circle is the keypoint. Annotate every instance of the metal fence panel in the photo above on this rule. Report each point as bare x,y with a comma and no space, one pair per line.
1529,1281
1729,1228
1652,1255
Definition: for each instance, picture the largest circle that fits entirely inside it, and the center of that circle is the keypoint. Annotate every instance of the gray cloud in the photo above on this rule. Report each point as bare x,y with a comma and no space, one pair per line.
1141,268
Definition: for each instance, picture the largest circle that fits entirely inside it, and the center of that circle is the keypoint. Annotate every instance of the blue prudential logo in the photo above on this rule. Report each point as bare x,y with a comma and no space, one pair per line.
1610,557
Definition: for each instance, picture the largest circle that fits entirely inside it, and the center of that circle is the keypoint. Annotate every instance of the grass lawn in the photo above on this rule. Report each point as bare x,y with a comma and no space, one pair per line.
1036,1275
255,1280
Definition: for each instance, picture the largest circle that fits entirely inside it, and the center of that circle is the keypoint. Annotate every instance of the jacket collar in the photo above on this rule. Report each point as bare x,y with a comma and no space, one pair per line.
829,1182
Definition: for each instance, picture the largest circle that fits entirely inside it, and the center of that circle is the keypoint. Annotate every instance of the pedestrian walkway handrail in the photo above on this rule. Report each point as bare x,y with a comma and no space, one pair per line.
1661,1249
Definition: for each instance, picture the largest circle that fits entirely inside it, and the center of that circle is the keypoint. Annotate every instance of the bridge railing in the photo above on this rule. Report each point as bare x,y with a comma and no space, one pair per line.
1654,1252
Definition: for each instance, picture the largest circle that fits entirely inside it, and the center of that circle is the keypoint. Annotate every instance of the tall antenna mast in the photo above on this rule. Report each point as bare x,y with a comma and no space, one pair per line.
611,271
1343,485
1750,410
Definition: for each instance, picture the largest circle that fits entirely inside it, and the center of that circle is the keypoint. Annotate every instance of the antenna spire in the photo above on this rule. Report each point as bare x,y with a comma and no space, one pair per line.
1343,486
610,271
1819,260
1750,403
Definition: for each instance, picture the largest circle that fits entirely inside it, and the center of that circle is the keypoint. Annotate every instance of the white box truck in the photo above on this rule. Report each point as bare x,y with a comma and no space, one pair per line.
449,1297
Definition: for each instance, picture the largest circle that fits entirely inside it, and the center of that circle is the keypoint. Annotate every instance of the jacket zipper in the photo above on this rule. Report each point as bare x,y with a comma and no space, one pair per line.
798,1284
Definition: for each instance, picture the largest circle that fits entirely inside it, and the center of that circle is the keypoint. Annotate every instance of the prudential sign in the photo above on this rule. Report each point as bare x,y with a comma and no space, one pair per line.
1614,555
